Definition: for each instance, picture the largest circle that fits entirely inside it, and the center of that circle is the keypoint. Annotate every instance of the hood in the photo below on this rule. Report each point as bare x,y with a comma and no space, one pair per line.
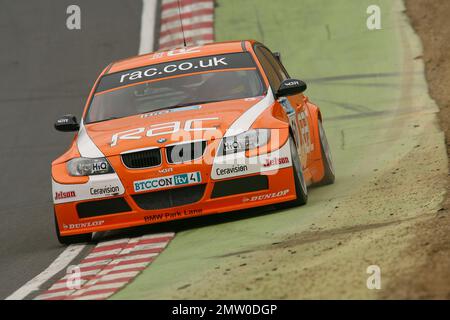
165,127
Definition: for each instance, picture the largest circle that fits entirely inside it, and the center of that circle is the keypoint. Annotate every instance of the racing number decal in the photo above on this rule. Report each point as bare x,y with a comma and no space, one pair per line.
300,127
305,132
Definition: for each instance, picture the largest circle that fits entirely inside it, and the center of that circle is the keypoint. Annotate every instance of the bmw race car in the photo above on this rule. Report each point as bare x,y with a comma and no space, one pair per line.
185,133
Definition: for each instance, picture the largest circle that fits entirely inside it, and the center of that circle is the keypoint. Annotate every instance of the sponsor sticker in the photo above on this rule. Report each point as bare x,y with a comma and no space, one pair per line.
275,161
266,196
100,166
174,68
165,170
64,195
159,112
168,181
190,125
107,191
232,170
90,224
173,215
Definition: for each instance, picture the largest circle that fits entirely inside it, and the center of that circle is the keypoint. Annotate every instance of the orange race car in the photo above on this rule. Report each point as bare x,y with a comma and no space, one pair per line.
184,133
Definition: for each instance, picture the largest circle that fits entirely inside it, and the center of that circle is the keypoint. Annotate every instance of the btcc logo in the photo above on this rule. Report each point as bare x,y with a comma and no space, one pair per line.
168,181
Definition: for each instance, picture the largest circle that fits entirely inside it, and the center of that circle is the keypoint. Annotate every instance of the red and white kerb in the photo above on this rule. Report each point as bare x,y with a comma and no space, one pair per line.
107,268
198,23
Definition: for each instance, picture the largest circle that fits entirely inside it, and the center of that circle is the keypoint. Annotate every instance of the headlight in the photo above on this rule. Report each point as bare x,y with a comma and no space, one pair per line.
89,166
245,141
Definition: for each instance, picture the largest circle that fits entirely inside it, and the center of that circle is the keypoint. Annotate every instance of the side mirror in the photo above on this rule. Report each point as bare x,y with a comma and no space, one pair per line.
67,123
277,56
290,87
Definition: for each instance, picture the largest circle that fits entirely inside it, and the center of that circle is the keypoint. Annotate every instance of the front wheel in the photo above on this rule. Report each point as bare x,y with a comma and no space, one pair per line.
300,183
327,161
67,240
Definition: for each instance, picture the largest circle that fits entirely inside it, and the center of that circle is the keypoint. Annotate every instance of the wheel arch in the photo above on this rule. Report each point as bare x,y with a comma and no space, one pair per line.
315,116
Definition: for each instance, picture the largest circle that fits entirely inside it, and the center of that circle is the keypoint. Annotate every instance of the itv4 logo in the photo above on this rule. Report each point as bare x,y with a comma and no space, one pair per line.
187,178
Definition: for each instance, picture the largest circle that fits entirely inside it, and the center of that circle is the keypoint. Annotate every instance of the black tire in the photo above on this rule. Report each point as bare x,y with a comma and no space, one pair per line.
67,240
327,160
300,183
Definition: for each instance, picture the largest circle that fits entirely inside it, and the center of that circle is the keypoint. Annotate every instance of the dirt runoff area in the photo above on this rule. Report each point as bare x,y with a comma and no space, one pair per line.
430,19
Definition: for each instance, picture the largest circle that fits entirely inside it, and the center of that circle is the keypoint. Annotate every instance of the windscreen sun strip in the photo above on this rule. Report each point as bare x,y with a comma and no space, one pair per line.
180,67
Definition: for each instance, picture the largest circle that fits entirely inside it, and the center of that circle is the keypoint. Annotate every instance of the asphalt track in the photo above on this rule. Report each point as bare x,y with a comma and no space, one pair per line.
377,113
47,71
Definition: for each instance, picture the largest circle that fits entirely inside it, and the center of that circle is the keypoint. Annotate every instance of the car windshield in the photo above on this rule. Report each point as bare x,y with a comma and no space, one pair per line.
176,91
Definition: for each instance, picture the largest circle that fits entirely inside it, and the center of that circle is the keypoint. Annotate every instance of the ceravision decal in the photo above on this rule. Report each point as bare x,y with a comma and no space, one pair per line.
107,190
231,171
180,67
168,181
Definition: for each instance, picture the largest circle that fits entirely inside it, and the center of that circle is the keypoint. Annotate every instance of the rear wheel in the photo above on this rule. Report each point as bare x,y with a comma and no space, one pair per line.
327,161
78,238
300,183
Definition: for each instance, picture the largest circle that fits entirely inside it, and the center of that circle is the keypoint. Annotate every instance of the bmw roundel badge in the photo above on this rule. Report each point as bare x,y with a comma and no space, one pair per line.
162,140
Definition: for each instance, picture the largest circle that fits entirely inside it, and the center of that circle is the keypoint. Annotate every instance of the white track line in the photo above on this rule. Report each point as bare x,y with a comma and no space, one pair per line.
111,275
147,26
60,263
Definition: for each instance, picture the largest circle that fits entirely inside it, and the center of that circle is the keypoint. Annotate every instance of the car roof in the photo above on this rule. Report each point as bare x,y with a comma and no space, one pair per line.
187,52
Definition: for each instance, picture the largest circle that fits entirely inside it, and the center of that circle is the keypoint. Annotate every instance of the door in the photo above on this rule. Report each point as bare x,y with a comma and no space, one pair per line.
295,106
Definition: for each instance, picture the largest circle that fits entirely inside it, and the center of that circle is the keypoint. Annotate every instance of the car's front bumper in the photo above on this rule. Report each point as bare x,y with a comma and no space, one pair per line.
81,208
